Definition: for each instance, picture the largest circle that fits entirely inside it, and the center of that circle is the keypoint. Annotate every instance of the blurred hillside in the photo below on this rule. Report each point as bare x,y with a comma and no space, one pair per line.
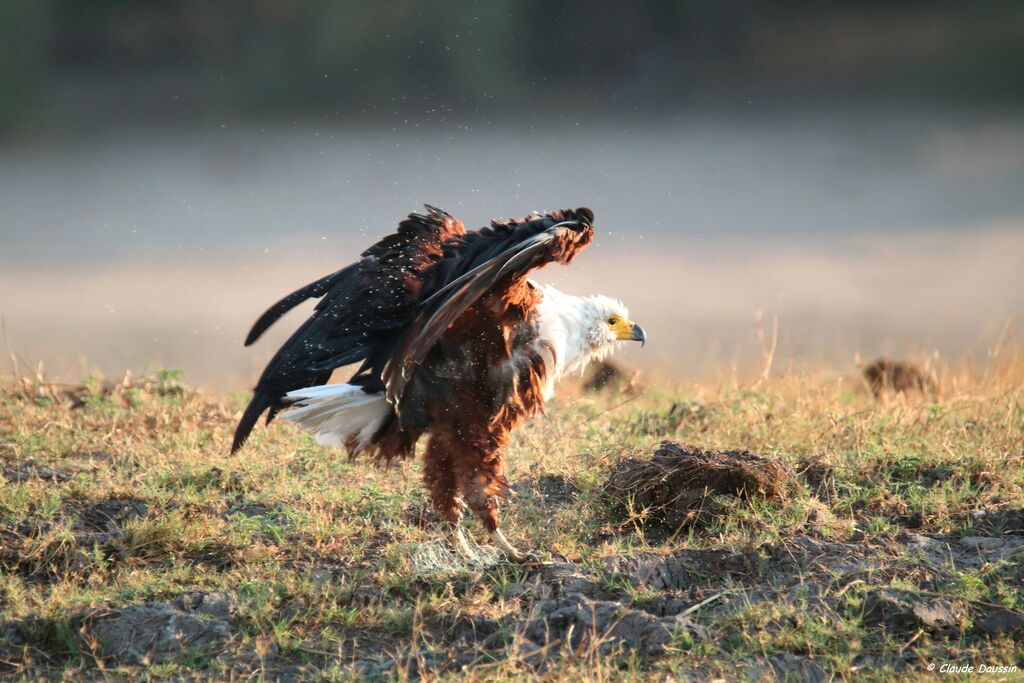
68,64
169,168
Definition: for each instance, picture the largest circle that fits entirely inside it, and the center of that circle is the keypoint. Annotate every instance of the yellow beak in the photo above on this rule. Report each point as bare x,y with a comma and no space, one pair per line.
627,330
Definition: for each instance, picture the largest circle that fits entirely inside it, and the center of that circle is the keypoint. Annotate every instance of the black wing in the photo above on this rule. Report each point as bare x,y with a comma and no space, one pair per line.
493,257
313,290
363,309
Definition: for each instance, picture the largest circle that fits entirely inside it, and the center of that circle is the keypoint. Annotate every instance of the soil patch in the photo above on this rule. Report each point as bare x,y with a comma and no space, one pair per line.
156,632
133,635
641,605
107,515
1002,521
30,470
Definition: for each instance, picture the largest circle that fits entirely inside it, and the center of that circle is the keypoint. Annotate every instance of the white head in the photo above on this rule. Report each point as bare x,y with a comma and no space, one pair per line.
582,329
607,322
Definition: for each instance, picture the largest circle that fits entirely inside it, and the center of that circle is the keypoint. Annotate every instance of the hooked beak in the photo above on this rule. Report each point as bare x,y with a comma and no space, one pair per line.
637,334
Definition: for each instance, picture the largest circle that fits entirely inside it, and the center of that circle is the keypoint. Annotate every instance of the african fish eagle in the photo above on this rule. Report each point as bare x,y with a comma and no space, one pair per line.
453,342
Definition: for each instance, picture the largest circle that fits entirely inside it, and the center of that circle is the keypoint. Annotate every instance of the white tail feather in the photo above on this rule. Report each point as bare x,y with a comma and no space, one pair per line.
338,414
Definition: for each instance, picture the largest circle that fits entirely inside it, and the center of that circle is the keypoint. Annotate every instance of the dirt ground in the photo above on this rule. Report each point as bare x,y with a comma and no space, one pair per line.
130,545
644,606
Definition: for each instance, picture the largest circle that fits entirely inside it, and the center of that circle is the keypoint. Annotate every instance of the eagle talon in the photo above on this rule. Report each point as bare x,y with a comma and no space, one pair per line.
511,552
527,558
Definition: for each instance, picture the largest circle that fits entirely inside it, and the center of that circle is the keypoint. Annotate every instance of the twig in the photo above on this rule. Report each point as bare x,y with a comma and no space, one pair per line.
690,610
10,352
842,591
910,642
768,352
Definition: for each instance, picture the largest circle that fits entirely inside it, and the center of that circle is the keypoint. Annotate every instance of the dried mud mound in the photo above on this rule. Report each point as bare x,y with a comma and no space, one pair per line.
673,487
899,377
156,632
133,635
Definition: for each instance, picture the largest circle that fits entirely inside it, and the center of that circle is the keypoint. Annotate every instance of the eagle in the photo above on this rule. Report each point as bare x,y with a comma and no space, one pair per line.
453,342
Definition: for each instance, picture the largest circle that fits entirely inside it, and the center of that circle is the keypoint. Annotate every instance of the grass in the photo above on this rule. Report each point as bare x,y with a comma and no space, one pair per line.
131,498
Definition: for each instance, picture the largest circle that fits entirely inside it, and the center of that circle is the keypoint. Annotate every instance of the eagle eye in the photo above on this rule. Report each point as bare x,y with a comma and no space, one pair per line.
612,320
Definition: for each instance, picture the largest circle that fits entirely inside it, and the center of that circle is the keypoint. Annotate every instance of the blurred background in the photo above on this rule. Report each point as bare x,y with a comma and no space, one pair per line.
851,170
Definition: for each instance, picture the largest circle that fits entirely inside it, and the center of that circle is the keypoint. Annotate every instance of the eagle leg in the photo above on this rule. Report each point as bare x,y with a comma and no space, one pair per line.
440,480
481,482
439,477
461,543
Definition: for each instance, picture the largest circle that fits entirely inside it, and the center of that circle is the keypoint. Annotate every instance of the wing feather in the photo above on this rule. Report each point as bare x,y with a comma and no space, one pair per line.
363,309
392,307
313,290
529,249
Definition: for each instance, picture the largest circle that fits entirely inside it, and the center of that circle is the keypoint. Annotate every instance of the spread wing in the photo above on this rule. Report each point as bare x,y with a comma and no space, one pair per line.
493,258
362,309
393,305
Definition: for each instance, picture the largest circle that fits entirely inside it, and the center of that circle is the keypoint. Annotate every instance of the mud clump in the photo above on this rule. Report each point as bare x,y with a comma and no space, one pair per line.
109,515
575,620
1000,622
1002,521
605,375
679,571
787,667
673,487
898,377
132,635
904,611
819,477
